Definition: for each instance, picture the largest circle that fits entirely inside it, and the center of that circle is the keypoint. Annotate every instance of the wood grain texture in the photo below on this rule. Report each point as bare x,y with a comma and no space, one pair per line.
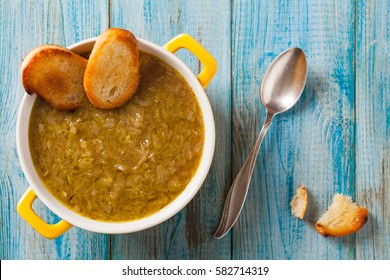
23,26
188,235
313,143
373,126
336,139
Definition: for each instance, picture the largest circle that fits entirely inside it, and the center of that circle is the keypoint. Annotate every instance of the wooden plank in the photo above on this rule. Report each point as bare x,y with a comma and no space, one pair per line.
313,143
36,23
188,235
373,126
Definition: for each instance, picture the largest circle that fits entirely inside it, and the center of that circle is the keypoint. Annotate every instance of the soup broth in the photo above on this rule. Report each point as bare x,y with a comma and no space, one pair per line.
126,163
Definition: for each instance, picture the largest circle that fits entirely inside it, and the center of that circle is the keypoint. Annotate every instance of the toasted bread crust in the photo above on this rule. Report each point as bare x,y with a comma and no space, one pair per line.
112,76
299,202
56,75
343,217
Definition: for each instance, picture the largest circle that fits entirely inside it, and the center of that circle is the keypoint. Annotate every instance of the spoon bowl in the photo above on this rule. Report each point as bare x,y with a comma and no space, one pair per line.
284,81
280,89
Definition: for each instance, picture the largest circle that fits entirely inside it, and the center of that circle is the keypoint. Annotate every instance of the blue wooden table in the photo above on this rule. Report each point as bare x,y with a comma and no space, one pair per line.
336,139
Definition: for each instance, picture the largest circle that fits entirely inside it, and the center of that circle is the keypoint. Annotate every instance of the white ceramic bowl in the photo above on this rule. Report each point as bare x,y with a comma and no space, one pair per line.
72,218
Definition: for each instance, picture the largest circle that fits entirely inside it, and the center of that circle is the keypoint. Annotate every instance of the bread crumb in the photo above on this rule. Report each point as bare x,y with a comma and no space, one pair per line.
343,217
299,202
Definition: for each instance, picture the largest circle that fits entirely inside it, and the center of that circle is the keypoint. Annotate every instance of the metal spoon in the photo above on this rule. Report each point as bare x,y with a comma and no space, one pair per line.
281,88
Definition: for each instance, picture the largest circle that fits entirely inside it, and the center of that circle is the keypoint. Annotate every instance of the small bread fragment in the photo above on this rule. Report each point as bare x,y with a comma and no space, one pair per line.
56,75
343,217
299,203
112,76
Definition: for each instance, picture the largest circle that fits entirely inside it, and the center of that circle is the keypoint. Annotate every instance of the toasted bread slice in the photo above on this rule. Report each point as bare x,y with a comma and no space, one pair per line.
299,203
112,76
56,75
343,217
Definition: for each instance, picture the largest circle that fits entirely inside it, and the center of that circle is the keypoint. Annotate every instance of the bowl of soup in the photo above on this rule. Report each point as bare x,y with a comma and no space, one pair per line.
126,169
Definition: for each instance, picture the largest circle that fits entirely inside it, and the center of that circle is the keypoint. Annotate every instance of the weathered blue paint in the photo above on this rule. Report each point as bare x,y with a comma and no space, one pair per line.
188,235
372,186
336,139
25,25
305,145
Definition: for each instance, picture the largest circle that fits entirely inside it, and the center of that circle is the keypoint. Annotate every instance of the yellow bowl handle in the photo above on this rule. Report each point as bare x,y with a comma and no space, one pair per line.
210,65
26,211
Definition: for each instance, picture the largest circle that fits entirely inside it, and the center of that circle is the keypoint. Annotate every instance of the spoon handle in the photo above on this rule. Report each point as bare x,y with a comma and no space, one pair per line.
239,189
